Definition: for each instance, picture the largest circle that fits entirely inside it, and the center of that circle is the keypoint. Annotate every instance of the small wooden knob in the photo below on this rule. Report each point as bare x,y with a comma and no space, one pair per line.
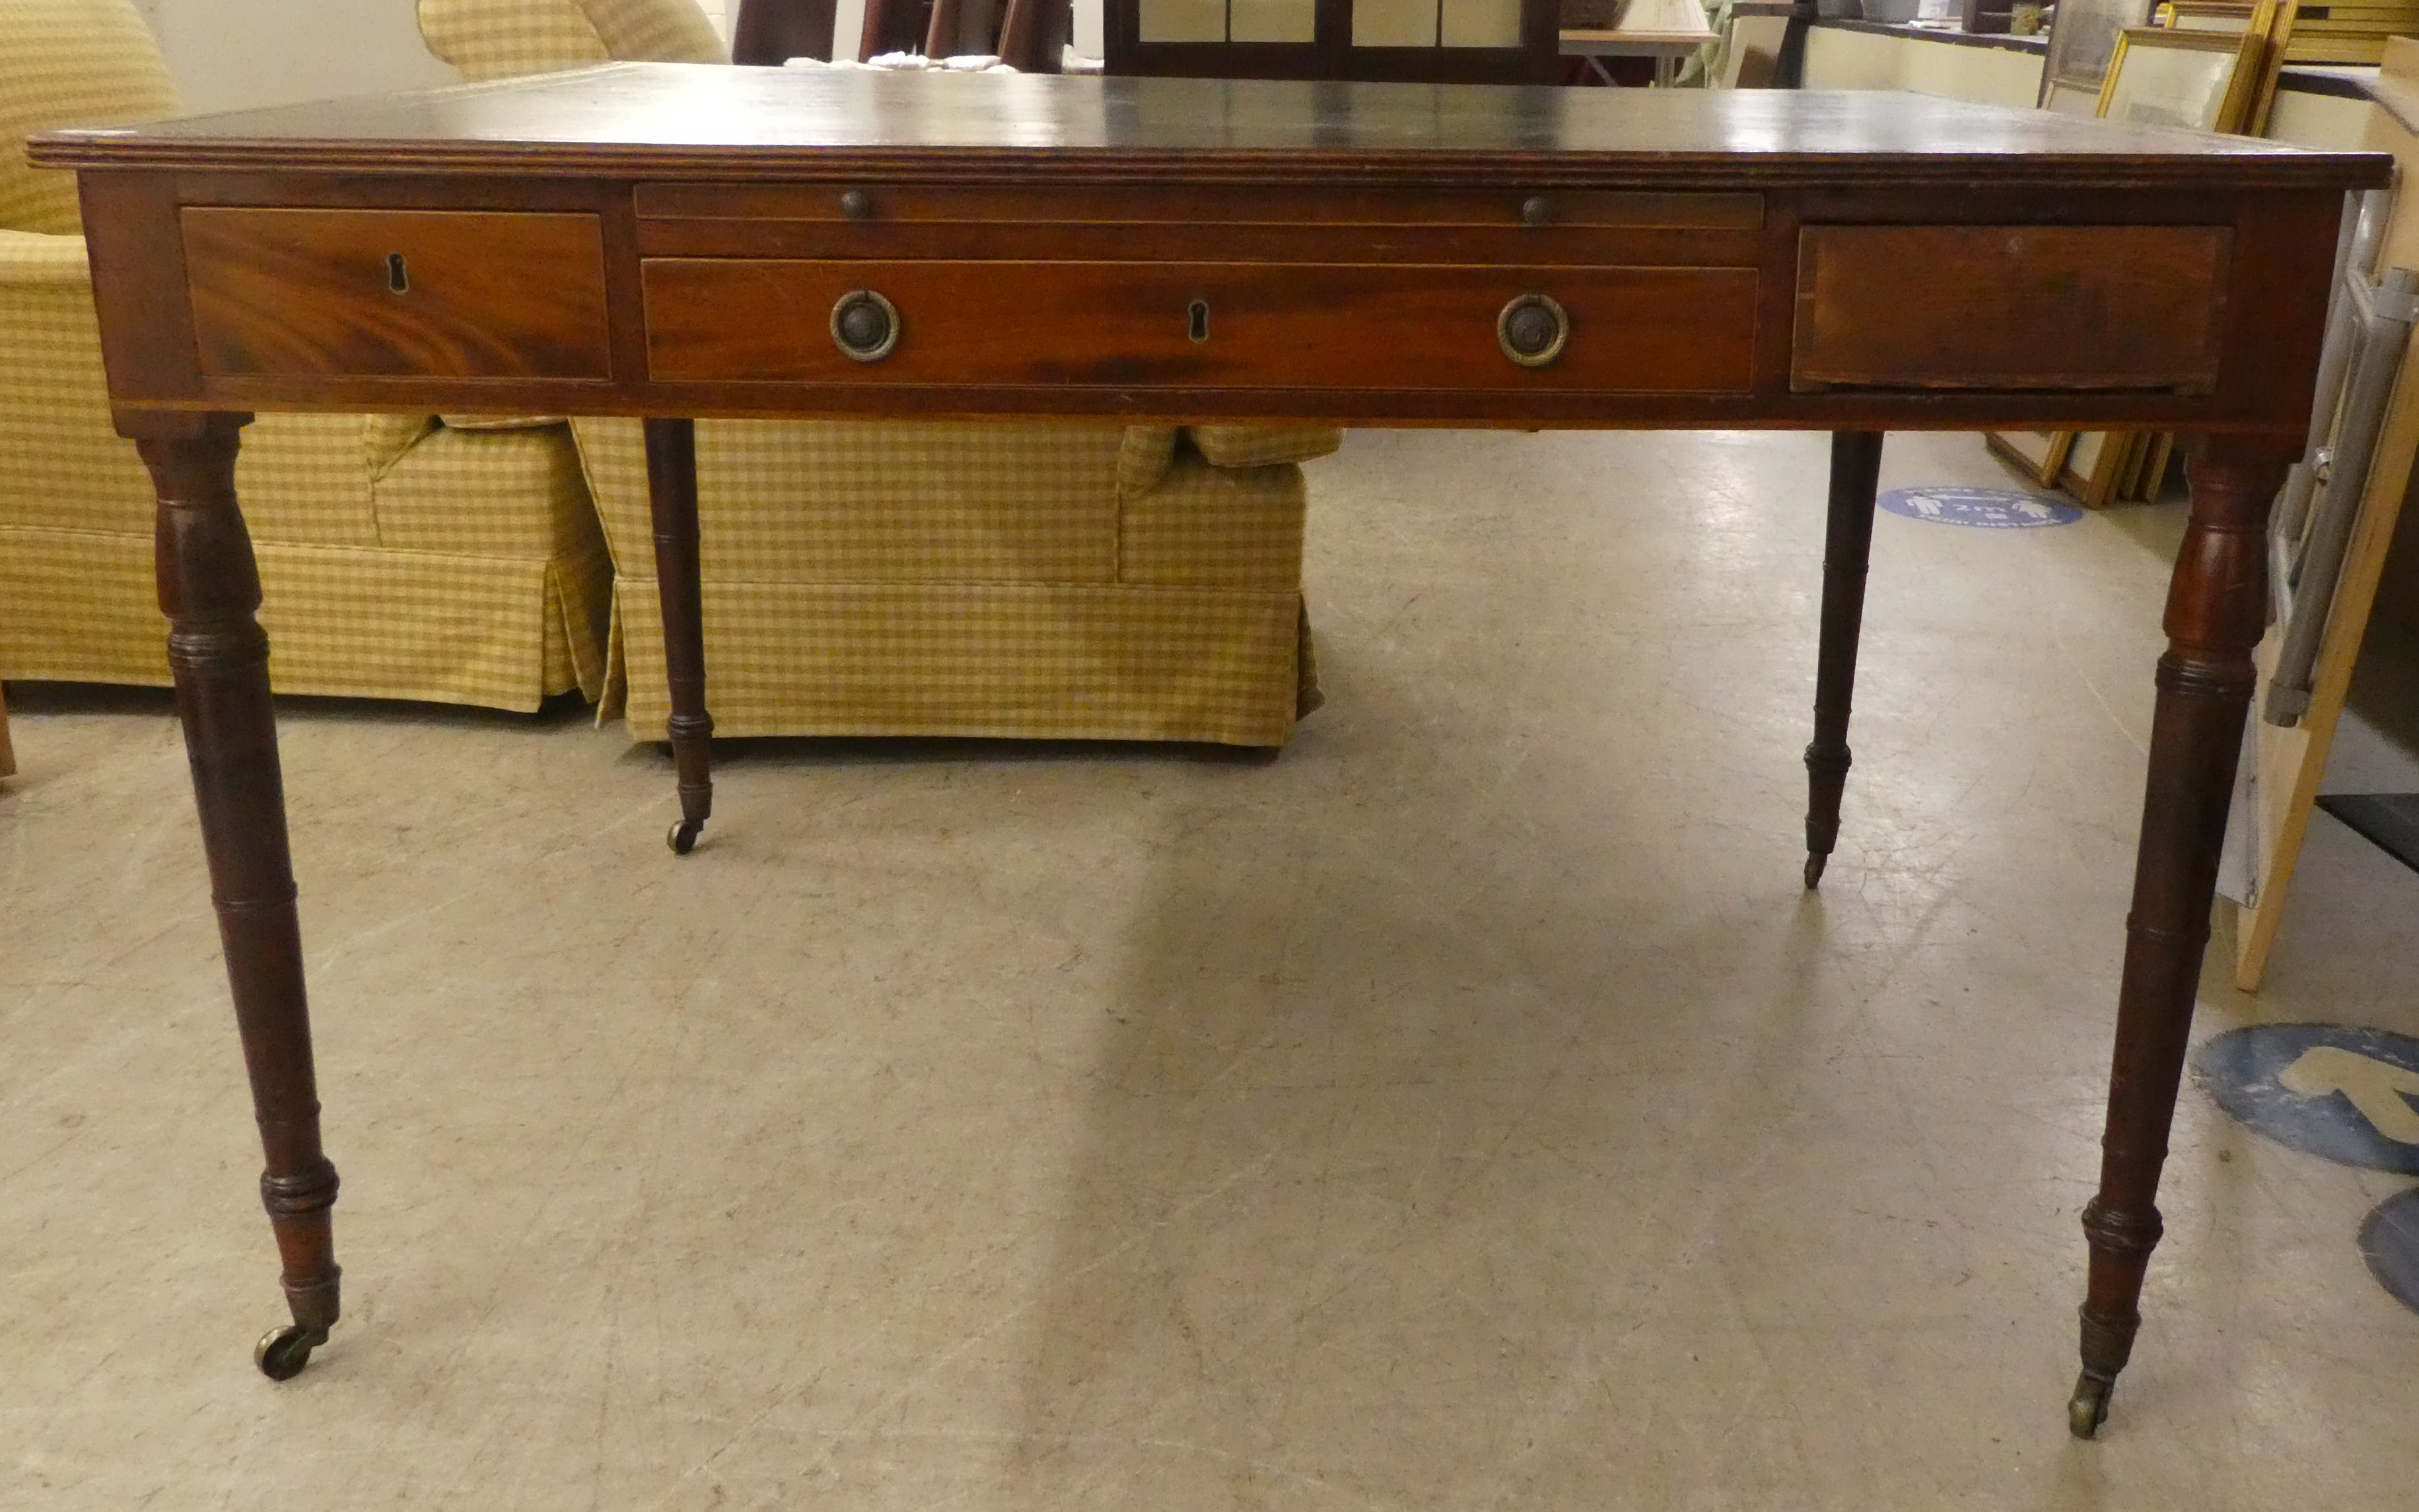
856,204
1536,211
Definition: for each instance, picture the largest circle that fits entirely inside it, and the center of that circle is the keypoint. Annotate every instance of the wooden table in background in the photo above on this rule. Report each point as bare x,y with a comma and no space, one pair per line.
669,241
1668,31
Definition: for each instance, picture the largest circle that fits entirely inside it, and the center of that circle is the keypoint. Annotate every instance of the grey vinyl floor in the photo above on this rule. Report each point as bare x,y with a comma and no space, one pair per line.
1469,1109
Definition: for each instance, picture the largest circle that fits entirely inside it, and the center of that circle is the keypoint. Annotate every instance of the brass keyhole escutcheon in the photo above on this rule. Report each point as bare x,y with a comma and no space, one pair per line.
1531,330
399,278
1196,320
864,325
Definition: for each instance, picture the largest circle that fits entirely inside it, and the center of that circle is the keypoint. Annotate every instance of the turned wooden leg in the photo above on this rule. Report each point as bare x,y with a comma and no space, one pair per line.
209,589
671,495
2216,604
1847,545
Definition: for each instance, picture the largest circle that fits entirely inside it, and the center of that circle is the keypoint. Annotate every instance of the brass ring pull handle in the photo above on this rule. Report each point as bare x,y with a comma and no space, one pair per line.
864,325
1531,330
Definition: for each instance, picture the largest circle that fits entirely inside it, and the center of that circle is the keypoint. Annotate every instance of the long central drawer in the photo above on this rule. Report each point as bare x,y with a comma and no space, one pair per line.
1207,324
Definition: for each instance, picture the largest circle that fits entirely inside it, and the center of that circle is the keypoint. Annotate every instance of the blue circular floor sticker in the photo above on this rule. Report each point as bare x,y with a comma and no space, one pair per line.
2389,1241
1989,509
2350,1095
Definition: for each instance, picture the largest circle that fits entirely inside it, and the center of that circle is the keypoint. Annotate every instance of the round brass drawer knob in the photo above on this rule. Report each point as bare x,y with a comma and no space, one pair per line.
1536,211
864,325
1531,330
856,204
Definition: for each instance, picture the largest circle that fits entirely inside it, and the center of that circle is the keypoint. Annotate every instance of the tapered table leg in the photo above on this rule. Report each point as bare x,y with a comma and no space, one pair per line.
672,497
2216,604
1847,546
220,657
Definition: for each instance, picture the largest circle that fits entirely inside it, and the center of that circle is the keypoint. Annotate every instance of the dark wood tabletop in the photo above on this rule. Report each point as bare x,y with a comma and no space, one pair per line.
672,117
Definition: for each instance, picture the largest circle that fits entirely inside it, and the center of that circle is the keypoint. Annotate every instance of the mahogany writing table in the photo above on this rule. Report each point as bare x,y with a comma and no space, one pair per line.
669,241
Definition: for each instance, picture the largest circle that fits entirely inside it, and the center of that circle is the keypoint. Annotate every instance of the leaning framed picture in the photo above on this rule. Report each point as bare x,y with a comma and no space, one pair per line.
2202,81
2081,42
2038,455
2095,463
2272,20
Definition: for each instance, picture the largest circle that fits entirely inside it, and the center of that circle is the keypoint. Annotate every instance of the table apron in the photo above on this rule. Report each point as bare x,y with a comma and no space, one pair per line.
1813,308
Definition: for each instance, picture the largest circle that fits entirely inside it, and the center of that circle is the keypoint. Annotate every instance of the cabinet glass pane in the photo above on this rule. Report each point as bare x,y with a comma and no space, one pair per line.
1394,23
1482,22
1183,20
1273,21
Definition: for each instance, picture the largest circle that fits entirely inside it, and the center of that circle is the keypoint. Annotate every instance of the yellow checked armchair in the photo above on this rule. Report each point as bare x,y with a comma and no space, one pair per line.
399,557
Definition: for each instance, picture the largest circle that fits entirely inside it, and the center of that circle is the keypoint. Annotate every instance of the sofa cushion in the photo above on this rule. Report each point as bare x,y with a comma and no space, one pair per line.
483,39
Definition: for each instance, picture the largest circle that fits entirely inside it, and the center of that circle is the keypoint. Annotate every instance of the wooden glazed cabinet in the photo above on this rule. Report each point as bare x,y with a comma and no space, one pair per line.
1189,250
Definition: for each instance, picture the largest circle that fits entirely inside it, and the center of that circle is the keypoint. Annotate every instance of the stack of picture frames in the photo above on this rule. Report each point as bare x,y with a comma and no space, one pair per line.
2094,468
2208,65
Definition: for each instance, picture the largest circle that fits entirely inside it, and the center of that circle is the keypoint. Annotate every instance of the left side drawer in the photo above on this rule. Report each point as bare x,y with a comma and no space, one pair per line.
397,293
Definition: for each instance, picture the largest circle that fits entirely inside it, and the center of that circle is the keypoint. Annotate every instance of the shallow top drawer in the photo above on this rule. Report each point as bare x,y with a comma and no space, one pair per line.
1234,205
397,293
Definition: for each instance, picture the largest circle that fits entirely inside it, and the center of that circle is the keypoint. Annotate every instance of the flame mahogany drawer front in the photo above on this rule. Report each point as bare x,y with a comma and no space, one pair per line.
333,293
1332,325
2010,307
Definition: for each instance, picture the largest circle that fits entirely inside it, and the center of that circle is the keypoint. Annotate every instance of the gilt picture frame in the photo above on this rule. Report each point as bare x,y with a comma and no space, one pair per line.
2082,44
2200,81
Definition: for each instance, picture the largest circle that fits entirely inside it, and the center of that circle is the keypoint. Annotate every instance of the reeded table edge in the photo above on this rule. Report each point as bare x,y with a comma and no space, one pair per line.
104,150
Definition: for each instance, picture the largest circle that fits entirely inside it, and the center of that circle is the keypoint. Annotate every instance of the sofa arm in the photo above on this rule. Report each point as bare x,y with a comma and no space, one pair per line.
501,422
391,437
36,259
1260,446
386,439
62,465
1149,451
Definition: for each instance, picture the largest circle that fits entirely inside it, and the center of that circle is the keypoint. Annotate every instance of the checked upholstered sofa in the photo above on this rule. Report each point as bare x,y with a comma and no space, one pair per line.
1005,580
399,557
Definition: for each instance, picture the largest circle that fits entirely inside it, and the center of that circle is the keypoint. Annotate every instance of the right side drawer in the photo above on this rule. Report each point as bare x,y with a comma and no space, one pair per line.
2010,307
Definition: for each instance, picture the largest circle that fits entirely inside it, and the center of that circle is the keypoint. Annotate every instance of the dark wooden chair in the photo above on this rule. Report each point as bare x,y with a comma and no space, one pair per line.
769,33
1026,34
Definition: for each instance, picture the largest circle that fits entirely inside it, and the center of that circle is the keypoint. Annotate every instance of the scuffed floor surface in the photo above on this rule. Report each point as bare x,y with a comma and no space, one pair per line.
1467,1111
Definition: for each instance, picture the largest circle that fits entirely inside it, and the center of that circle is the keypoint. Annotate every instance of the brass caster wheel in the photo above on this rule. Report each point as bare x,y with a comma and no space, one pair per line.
2089,1408
1814,870
282,1352
682,836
